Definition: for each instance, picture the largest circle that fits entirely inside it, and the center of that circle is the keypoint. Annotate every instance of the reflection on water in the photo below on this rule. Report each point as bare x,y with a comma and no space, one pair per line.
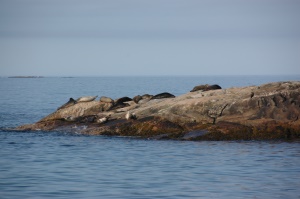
44,165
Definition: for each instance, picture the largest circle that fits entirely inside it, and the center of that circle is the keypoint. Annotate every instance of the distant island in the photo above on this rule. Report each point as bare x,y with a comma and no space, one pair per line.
26,77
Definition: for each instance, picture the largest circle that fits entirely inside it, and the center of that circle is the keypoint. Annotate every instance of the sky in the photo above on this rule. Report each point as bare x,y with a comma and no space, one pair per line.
149,37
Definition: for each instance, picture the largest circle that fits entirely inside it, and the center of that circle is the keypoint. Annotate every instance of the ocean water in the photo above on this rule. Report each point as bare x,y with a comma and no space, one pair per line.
63,165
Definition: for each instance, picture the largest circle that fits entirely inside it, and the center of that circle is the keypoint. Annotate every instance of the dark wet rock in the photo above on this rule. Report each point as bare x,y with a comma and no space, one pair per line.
88,119
194,134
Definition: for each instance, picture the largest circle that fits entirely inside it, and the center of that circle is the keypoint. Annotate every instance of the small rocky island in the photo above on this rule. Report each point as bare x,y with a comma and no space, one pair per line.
26,77
208,112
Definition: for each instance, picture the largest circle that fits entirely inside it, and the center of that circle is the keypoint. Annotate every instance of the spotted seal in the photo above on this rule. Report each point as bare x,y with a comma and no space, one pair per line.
86,99
130,115
103,119
71,119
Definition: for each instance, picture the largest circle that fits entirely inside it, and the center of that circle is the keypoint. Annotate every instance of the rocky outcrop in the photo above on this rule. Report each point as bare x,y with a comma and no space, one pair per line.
269,111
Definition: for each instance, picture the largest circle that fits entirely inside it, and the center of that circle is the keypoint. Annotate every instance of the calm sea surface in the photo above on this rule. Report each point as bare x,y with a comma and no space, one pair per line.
63,165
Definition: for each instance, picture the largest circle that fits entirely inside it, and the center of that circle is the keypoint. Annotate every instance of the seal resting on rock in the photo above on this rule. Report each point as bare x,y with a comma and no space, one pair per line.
206,87
119,103
147,96
163,95
130,115
69,103
103,119
86,99
122,100
137,98
106,99
71,119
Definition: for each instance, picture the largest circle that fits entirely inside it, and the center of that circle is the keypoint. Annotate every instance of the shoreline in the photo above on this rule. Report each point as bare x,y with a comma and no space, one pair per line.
266,112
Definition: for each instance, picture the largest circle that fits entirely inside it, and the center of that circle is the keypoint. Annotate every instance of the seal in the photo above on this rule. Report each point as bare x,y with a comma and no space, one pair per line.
214,87
206,87
137,98
163,95
144,98
71,102
86,99
122,100
130,115
119,103
106,99
71,119
103,119
147,96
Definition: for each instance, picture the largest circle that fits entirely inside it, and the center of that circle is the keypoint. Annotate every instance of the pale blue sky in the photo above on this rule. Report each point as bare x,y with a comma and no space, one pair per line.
149,37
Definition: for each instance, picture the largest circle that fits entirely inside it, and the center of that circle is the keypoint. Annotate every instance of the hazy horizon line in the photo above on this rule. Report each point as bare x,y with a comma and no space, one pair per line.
75,76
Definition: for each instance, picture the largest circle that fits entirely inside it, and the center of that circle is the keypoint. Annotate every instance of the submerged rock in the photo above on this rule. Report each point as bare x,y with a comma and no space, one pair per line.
268,111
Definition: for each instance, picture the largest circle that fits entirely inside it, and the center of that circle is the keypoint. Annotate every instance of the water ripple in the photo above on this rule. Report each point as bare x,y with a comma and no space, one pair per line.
46,165
67,165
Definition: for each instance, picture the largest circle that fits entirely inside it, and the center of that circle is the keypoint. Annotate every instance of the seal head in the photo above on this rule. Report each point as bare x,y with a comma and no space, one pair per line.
71,102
